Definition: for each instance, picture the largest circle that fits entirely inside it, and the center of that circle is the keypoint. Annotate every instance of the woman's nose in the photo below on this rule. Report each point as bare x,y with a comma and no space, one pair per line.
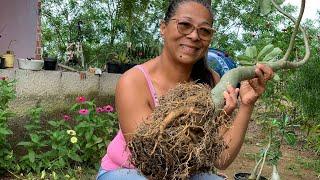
194,35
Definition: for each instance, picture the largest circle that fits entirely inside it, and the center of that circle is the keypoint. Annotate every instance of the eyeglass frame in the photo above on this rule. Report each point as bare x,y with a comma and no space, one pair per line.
193,28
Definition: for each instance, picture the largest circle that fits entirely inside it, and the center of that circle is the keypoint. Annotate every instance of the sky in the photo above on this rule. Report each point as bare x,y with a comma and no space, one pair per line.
310,11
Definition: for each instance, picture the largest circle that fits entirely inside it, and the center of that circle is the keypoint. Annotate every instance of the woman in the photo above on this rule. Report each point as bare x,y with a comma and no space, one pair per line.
187,33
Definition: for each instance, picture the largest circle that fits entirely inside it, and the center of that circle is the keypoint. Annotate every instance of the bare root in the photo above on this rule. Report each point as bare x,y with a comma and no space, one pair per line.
183,136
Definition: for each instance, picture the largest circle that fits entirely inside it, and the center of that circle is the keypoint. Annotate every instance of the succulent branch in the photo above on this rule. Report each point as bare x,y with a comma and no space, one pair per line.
234,76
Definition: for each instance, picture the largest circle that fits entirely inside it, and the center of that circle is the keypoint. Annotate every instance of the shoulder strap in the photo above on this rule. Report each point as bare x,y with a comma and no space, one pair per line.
150,85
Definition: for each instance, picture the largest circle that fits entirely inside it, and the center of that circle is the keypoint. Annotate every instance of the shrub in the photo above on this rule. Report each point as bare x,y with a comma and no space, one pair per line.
7,93
78,139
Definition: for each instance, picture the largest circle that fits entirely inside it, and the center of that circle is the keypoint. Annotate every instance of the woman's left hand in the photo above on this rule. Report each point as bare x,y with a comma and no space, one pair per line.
251,90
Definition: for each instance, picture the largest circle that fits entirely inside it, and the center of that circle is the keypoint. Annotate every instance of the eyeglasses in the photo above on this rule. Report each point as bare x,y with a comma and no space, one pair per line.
184,27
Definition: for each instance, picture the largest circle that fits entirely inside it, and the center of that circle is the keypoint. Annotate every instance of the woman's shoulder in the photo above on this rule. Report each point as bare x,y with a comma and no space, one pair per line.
132,87
132,78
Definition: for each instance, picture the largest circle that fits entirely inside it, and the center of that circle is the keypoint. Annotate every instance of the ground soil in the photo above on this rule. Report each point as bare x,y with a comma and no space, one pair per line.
289,168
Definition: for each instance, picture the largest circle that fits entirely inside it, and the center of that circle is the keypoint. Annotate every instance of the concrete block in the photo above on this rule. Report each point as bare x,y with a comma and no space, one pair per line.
108,82
38,83
9,73
72,84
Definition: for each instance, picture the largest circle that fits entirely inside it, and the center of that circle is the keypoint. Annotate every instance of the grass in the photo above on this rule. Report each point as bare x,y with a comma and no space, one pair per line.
312,164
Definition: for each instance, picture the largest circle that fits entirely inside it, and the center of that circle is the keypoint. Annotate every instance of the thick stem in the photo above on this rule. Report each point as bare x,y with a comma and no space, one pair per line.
234,76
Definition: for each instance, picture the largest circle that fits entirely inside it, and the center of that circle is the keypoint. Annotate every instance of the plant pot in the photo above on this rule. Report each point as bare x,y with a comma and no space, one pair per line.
118,68
2,63
244,176
30,64
50,63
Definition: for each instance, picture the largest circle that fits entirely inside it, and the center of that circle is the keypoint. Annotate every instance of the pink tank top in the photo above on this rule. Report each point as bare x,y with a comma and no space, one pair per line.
118,154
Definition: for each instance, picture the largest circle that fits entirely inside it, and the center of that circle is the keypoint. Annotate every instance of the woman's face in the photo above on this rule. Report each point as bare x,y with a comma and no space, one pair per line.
187,48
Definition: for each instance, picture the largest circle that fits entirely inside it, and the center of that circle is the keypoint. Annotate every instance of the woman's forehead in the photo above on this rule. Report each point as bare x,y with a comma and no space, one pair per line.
194,11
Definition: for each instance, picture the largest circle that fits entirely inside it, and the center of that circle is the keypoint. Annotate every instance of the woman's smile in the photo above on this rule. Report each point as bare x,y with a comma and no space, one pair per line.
189,49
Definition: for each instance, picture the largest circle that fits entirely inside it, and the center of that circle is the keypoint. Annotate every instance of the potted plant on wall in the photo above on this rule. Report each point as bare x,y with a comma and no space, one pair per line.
119,63
50,62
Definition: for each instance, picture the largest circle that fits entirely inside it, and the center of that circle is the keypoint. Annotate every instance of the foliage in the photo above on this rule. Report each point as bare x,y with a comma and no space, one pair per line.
68,142
7,93
105,26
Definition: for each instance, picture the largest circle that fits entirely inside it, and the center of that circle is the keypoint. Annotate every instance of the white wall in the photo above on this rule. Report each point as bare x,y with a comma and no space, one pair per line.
18,20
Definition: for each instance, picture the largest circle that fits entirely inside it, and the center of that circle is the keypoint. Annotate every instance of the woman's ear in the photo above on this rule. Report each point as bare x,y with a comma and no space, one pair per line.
163,27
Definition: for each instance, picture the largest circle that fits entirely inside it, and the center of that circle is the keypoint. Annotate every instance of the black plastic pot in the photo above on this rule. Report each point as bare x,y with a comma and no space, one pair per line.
50,63
118,68
244,176
2,63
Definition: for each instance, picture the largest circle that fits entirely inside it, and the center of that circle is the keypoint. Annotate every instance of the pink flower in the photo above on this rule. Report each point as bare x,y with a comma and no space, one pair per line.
66,117
3,78
99,110
108,108
81,99
83,112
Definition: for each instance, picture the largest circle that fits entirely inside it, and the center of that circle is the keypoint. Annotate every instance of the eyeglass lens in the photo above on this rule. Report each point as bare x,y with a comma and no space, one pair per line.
187,28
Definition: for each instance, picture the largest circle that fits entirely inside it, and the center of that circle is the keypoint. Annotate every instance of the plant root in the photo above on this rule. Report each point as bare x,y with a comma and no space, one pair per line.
181,137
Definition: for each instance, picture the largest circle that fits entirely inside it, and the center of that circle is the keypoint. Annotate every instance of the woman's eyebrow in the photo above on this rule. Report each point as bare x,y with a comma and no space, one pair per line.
189,18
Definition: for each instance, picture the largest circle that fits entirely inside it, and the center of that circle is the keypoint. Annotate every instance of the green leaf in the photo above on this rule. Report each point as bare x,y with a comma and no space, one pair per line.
251,52
276,77
5,131
265,7
31,156
290,138
74,156
25,143
98,140
244,58
273,54
34,138
279,2
75,107
53,123
265,50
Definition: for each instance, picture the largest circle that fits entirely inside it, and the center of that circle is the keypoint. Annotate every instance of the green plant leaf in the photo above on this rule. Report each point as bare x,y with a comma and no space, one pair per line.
31,156
273,54
25,143
251,52
244,58
53,123
75,107
290,138
5,131
34,138
74,156
265,50
276,77
279,2
265,7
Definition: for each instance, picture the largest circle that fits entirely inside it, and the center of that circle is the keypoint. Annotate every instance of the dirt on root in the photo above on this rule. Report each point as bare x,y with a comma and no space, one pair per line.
288,168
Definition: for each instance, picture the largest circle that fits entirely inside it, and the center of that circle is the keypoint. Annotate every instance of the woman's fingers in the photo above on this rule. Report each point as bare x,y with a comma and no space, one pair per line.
261,76
231,96
266,71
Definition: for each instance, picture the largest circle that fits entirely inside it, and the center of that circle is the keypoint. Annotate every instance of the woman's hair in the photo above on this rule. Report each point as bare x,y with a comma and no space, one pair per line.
174,4
200,71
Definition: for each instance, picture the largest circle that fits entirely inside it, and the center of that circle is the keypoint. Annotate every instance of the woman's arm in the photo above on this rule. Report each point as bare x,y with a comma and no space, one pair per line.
132,100
250,91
